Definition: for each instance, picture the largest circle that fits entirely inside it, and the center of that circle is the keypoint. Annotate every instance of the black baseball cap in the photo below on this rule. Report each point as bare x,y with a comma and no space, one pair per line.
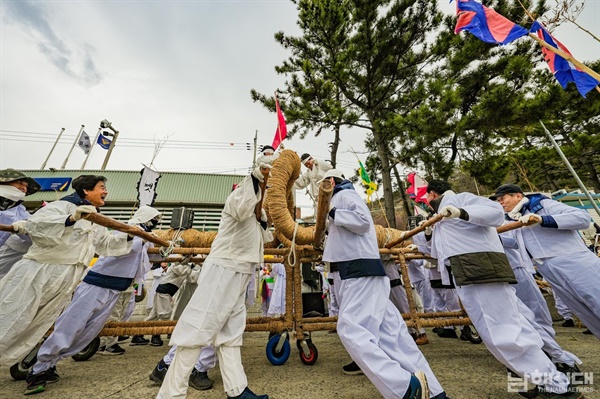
506,189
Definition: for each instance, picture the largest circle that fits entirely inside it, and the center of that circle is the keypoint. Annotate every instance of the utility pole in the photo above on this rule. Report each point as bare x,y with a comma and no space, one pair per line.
73,146
255,148
52,149
105,124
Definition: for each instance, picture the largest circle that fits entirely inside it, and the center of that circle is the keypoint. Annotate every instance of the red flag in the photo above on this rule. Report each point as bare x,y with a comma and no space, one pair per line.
418,188
281,132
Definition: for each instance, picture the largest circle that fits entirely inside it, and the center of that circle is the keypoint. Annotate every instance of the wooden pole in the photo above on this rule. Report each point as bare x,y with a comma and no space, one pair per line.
7,227
407,234
567,57
125,228
325,193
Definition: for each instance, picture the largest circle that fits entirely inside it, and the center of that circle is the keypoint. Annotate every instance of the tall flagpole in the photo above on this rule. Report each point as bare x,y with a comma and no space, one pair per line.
91,148
52,149
277,115
255,148
73,146
568,164
106,124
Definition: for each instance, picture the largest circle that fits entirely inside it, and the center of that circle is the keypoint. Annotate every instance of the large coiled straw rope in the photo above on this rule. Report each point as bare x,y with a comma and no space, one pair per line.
280,201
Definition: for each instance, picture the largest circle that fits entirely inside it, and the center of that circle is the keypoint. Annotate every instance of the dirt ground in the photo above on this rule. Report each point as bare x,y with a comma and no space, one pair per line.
466,371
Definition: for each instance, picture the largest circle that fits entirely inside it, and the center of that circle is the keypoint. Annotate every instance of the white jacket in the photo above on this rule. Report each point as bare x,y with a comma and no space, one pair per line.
514,247
10,216
352,232
456,236
311,177
240,235
53,242
547,242
134,264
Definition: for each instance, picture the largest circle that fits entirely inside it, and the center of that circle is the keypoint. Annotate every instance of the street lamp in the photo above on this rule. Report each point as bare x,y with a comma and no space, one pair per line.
105,124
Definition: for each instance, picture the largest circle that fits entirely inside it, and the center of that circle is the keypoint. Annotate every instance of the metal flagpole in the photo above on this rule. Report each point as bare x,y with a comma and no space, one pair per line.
52,149
106,124
73,146
566,161
255,148
92,148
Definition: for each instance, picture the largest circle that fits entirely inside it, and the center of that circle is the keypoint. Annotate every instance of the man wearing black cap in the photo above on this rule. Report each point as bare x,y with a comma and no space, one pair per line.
553,240
466,240
315,171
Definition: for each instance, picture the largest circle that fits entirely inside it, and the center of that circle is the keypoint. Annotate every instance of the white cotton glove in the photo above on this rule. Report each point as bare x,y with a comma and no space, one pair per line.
19,227
449,212
428,229
531,219
83,209
412,247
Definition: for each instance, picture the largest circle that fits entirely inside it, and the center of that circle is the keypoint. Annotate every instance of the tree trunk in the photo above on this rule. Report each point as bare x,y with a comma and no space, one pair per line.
388,193
594,178
335,145
402,189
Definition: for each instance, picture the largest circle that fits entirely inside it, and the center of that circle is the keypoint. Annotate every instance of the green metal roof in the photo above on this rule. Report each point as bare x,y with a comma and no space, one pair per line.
173,188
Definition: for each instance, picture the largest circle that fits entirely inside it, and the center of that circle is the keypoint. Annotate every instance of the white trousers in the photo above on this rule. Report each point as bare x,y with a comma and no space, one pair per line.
398,292
32,295
446,300
216,315
537,313
206,360
163,307
561,307
121,311
78,325
374,334
576,279
423,287
494,311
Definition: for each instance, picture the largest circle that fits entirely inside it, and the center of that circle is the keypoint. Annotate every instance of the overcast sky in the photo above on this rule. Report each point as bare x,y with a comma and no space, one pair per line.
182,69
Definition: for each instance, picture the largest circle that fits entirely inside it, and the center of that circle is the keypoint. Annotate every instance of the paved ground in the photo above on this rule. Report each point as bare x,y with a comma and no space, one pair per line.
465,370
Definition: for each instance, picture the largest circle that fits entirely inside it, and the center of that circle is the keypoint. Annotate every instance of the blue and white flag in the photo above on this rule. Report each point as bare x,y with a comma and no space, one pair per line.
104,141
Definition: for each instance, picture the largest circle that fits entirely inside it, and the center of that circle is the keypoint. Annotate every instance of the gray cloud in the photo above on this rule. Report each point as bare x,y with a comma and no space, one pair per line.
78,64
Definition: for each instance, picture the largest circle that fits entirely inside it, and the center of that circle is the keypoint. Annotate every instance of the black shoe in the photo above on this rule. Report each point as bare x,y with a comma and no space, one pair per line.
437,329
199,380
36,383
101,349
352,369
156,341
51,375
442,395
123,338
114,350
587,332
512,373
447,333
248,394
568,395
139,340
531,394
568,323
159,372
